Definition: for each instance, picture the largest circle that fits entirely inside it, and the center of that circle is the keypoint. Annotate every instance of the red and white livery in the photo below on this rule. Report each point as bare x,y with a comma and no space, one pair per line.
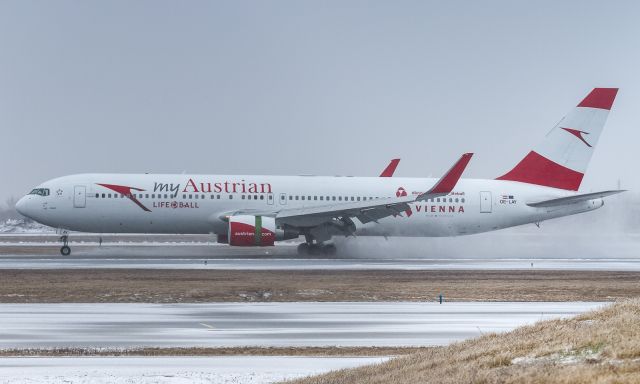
256,210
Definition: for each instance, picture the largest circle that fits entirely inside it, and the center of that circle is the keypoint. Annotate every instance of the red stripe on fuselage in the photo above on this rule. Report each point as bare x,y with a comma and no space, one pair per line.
124,190
538,170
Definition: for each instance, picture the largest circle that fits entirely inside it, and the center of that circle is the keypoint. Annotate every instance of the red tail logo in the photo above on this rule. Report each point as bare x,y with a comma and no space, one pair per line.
578,134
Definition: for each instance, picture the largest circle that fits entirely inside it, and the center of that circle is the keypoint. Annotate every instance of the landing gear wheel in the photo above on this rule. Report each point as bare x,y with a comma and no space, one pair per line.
315,249
303,249
329,249
65,250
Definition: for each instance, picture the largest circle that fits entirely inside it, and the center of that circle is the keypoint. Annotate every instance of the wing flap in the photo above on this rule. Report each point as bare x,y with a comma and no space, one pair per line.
371,210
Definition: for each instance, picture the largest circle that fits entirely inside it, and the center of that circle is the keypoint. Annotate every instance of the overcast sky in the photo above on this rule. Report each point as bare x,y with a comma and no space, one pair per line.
301,87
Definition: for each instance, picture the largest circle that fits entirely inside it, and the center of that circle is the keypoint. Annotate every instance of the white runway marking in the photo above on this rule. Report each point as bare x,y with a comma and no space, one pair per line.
265,324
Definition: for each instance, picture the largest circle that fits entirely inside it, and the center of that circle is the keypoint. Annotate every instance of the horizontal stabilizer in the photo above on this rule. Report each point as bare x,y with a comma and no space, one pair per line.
573,199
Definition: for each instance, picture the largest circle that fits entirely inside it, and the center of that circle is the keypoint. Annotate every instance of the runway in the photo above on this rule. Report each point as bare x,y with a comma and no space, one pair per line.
267,263
265,324
218,369
518,251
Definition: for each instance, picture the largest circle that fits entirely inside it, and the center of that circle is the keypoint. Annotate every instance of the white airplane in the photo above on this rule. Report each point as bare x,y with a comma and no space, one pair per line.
257,210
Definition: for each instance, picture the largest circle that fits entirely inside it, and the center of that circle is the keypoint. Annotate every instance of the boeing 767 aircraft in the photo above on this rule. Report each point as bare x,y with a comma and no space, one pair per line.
256,210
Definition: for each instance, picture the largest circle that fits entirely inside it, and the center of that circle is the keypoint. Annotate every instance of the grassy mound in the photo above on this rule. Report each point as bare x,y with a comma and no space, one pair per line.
601,346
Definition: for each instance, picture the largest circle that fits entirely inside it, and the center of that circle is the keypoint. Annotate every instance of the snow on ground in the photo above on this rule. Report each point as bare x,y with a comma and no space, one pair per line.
23,226
170,370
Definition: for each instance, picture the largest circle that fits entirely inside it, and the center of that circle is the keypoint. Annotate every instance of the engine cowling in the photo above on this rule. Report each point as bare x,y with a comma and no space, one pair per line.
255,231
248,231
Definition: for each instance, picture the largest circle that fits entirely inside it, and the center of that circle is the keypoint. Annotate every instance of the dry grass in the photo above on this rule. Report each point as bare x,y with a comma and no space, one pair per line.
230,351
597,347
192,286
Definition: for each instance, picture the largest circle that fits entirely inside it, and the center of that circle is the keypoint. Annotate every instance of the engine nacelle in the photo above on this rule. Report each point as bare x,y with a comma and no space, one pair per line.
248,231
256,231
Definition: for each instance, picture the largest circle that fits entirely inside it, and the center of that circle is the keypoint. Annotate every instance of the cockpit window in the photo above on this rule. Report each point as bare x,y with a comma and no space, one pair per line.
40,192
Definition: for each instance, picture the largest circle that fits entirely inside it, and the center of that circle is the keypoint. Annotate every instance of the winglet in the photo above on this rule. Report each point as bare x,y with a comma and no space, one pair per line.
391,168
447,182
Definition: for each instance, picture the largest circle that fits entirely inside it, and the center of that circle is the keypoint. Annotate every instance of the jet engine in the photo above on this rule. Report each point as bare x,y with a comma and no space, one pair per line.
256,231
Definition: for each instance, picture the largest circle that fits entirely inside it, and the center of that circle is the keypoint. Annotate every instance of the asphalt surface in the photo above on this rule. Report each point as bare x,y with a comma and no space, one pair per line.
500,252
265,324
202,256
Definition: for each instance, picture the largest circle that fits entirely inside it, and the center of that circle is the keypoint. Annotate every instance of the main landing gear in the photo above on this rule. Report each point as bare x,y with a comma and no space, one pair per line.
65,250
316,249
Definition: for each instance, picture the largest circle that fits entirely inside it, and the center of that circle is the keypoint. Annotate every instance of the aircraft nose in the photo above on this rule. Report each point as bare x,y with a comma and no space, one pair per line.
21,206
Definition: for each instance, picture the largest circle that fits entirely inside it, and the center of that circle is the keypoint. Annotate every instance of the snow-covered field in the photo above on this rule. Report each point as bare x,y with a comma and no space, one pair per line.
23,226
170,370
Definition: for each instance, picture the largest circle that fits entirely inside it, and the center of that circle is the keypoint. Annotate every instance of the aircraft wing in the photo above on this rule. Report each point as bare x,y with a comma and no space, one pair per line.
371,210
573,199
391,168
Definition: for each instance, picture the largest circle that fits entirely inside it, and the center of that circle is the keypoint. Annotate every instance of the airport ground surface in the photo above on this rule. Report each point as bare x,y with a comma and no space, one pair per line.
199,286
387,324
184,296
505,251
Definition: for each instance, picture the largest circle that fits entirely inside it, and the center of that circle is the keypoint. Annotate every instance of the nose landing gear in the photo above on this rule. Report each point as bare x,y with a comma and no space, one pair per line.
65,250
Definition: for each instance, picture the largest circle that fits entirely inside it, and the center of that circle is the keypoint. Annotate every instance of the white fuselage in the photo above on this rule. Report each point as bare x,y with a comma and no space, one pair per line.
199,203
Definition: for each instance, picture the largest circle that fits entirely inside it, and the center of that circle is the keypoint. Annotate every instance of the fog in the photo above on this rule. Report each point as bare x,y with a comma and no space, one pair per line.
293,87
323,88
612,231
